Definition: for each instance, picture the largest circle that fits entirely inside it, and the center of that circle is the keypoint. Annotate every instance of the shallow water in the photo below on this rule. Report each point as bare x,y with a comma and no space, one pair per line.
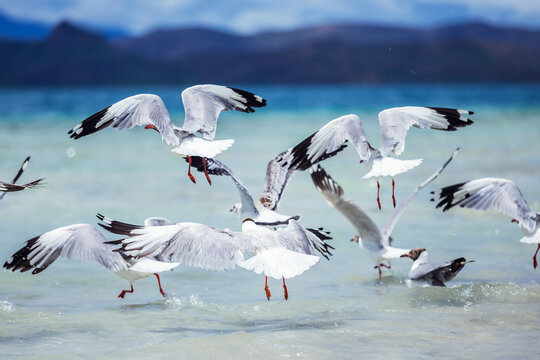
338,307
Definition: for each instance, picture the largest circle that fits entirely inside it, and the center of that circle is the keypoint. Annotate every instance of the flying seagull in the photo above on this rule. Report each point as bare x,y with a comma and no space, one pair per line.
84,242
370,237
202,104
11,187
428,273
394,124
498,194
281,254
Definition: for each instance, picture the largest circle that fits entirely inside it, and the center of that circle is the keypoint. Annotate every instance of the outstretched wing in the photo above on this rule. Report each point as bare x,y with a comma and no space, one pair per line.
7,187
137,110
392,221
485,193
204,103
191,244
79,241
325,143
304,240
215,167
437,274
334,195
395,123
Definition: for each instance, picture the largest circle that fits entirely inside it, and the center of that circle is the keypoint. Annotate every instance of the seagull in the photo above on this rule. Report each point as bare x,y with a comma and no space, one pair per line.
428,273
10,187
202,104
394,124
84,242
262,211
370,237
494,193
281,254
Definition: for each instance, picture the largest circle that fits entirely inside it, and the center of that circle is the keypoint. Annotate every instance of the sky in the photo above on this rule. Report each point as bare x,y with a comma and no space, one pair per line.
251,16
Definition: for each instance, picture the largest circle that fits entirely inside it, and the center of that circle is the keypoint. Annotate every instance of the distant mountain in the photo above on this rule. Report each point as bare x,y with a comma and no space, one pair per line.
325,54
11,28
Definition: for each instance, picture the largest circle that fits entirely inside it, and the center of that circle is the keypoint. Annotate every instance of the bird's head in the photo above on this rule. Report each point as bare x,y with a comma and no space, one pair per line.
414,254
267,200
236,208
355,239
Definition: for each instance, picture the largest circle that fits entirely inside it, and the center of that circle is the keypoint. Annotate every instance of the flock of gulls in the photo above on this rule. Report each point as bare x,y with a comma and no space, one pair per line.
269,243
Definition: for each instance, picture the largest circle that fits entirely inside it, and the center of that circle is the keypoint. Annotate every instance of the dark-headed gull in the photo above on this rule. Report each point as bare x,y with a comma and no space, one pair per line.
424,272
394,124
84,242
376,241
493,193
281,254
6,187
202,104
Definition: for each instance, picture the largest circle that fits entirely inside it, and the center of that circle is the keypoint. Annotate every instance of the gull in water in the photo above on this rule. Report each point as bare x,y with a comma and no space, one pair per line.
6,187
426,273
370,237
498,194
280,254
394,124
202,104
85,242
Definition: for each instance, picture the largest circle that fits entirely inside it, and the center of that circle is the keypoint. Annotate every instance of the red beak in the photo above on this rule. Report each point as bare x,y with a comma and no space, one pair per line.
405,255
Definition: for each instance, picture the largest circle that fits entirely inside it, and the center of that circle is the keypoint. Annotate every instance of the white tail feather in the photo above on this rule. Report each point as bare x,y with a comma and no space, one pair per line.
194,146
279,262
152,266
388,166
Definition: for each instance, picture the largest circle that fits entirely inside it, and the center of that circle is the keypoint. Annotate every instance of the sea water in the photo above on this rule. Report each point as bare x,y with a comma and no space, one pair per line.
338,307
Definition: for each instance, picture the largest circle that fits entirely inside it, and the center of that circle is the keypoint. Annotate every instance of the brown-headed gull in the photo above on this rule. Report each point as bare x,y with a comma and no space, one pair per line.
370,237
498,194
281,254
394,124
202,105
84,242
426,273
6,187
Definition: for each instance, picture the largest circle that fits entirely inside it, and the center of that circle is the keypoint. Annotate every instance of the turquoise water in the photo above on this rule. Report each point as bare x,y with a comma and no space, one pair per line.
491,309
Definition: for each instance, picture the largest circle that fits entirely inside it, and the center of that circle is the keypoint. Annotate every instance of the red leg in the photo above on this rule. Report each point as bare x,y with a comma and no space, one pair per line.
378,267
386,266
123,293
159,283
189,170
266,289
285,293
535,263
378,188
206,173
393,197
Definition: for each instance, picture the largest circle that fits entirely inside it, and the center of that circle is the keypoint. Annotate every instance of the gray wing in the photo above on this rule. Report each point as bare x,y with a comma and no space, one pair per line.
304,240
137,110
204,103
278,173
215,167
191,244
330,139
8,187
16,178
325,143
79,242
395,123
394,218
334,195
437,274
485,193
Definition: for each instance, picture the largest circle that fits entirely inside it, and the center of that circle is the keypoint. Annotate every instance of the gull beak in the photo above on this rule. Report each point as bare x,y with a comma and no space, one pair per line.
404,255
151,127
